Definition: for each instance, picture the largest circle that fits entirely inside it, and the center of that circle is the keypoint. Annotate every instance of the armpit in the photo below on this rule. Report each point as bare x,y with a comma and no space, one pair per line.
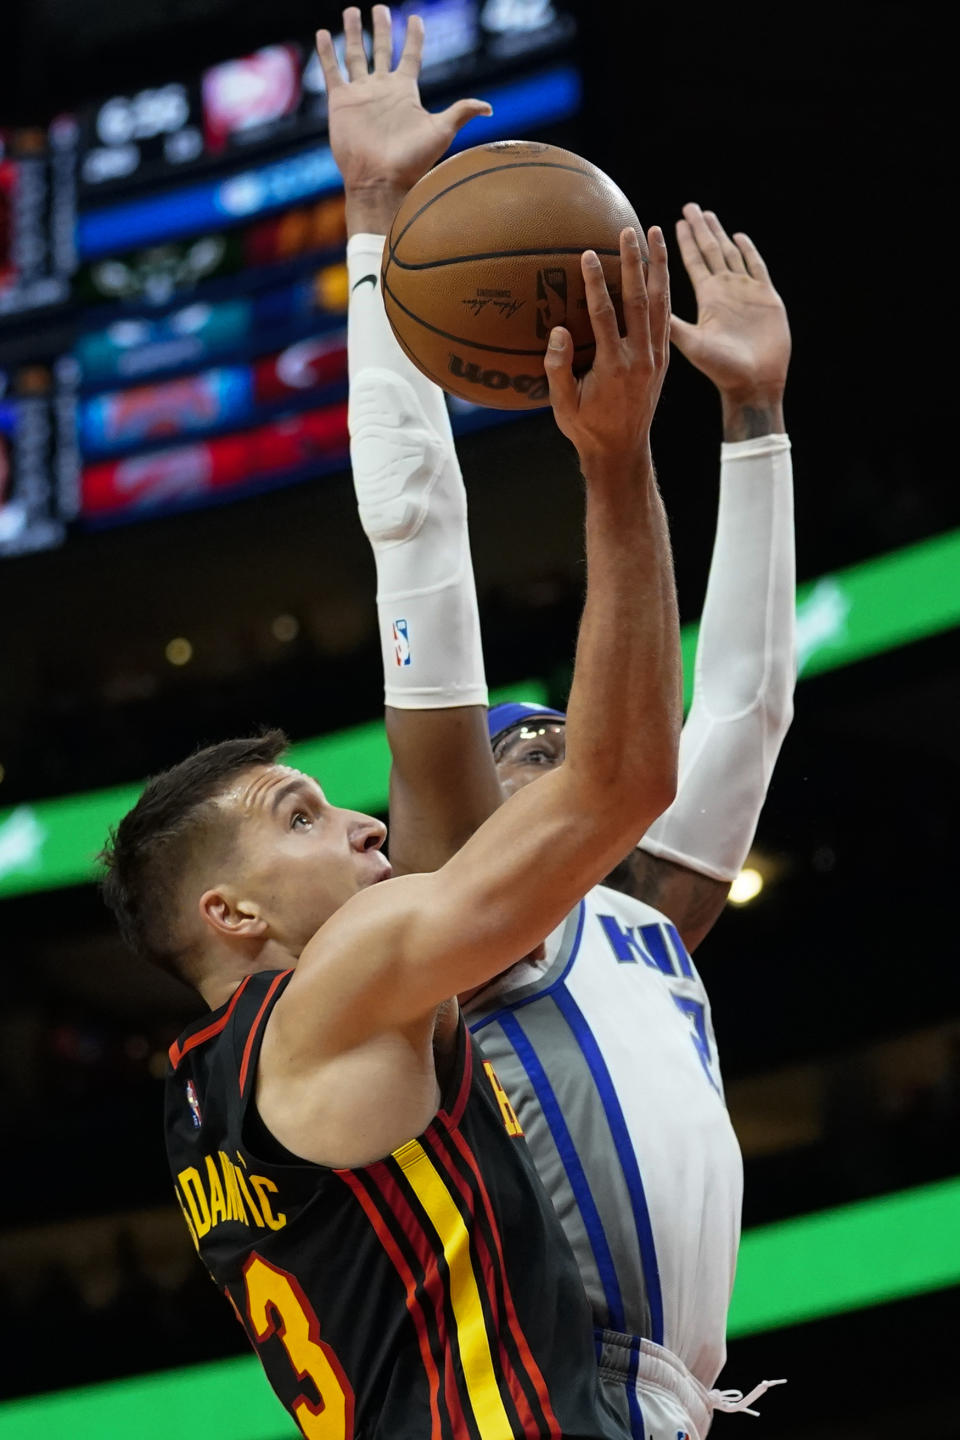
692,901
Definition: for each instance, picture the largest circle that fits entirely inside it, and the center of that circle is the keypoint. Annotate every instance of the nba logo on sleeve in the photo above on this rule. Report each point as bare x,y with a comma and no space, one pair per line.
401,642
194,1104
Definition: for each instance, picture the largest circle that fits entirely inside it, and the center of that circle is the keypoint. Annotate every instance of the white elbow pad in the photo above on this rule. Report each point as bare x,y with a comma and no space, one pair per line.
395,455
398,463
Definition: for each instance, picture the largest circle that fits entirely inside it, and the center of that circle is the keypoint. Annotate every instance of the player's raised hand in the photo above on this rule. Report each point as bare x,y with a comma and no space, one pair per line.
380,134
608,412
741,339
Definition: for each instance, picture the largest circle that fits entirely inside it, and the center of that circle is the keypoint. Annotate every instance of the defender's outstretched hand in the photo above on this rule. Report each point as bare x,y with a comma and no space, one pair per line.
607,414
380,134
741,340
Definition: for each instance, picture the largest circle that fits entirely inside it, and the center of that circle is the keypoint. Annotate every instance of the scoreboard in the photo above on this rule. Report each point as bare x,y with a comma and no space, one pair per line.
172,280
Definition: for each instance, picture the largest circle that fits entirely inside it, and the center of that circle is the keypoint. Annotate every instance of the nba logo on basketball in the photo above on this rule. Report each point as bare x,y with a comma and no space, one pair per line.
401,642
551,300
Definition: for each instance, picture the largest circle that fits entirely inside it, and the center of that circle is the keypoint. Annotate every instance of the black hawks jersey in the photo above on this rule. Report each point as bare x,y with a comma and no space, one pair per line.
429,1296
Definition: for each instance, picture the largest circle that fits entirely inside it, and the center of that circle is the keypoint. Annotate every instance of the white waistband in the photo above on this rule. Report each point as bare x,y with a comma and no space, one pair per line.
626,1356
655,1365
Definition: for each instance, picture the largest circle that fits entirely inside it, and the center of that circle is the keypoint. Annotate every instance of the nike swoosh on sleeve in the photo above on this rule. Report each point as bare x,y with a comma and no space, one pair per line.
362,281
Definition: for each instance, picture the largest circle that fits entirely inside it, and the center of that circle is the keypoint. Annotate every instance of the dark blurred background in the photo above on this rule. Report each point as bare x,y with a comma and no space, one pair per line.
834,990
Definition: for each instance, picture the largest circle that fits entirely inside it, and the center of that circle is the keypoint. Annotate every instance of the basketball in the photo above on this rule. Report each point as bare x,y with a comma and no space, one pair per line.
483,260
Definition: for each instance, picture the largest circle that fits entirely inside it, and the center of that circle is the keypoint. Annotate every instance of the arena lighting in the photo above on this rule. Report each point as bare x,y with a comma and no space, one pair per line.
285,628
746,886
874,606
807,1268
178,651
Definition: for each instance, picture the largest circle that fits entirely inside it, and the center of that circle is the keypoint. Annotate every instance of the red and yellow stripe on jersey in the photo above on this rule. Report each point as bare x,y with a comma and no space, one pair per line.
431,1212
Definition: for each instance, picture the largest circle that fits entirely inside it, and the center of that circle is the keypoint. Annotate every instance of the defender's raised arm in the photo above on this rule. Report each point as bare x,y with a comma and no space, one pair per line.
393,953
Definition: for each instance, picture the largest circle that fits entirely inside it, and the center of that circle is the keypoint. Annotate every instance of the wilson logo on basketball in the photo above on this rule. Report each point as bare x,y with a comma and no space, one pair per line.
534,387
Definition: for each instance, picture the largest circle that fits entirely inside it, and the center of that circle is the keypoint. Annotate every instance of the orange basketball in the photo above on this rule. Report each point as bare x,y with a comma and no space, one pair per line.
483,259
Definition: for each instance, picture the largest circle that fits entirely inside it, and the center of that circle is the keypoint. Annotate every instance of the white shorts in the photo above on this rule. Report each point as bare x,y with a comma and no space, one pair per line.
654,1393
651,1390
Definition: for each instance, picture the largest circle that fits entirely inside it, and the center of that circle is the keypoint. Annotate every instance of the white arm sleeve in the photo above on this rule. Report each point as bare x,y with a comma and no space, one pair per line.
745,667
412,505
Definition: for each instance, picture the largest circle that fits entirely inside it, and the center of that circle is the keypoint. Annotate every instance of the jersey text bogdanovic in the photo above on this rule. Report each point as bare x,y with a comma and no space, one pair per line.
428,1296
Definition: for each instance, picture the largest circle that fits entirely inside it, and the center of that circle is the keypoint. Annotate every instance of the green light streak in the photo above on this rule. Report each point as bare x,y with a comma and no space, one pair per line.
53,843
878,605
871,607
841,618
797,1270
846,1259
228,1400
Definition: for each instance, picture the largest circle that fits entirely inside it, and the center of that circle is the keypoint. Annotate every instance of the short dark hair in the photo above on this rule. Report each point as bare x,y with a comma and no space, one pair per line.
148,853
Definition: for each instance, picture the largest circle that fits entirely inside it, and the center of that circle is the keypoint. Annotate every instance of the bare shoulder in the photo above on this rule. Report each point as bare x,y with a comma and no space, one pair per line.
692,901
357,1107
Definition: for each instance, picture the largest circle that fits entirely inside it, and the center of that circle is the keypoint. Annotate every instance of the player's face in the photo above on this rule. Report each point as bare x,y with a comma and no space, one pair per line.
299,858
528,751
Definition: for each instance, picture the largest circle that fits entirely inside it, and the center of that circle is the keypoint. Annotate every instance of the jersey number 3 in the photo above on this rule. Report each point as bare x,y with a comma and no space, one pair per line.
276,1305
695,1013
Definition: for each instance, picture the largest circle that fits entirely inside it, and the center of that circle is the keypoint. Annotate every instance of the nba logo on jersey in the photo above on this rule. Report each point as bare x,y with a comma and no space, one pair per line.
194,1103
401,642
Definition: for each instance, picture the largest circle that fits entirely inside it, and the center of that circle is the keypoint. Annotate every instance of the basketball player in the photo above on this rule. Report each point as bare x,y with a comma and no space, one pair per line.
352,1174
603,1038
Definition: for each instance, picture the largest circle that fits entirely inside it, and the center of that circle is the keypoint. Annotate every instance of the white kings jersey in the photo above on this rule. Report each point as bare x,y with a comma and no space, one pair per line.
606,1051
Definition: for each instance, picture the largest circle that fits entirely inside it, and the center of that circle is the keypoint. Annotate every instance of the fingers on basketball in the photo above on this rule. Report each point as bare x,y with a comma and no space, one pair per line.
658,293
558,367
559,351
633,282
600,307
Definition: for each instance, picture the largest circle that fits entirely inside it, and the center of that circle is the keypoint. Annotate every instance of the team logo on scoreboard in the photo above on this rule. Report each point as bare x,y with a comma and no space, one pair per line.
254,90
158,271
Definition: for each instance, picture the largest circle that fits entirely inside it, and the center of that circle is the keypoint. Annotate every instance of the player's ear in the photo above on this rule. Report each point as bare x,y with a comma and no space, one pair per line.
231,915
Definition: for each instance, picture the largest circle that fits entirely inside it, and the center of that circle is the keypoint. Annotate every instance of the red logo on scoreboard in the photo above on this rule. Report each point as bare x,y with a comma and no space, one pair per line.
307,365
242,94
163,477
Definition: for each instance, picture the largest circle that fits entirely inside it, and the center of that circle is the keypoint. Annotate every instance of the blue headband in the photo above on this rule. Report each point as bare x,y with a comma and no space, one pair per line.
501,718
